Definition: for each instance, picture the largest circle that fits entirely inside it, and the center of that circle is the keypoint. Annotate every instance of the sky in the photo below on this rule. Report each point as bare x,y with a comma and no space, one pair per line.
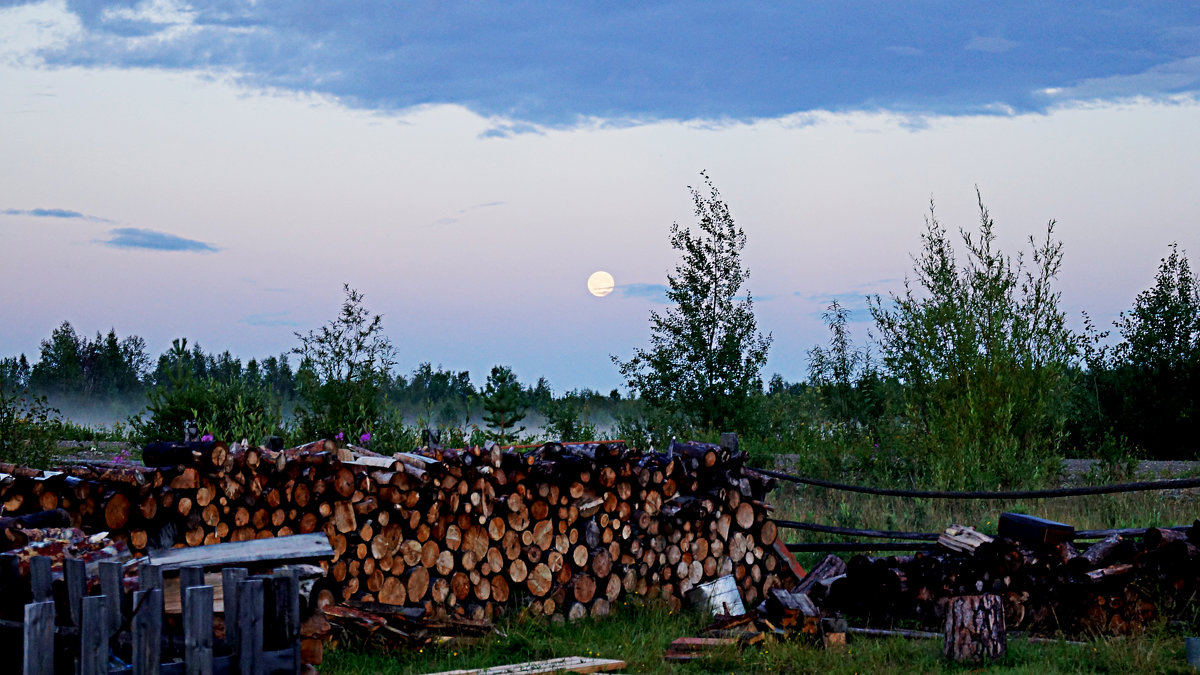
218,170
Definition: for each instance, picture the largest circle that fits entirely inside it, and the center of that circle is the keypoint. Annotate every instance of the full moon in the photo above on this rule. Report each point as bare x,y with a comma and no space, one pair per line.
600,284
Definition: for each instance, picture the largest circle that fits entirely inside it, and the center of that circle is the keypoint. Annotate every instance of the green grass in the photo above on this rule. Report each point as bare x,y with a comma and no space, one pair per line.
639,635
847,509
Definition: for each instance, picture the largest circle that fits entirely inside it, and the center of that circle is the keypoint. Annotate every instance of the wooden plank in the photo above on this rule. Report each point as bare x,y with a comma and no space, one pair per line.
700,644
189,576
787,558
150,576
296,547
250,628
41,579
147,631
173,601
287,611
198,630
14,596
372,462
231,577
111,588
39,639
93,638
568,664
75,576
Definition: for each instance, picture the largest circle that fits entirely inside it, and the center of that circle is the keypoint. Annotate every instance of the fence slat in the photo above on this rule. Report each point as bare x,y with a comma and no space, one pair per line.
39,639
250,627
287,595
15,594
231,578
40,578
75,576
198,629
189,577
93,640
149,577
111,588
147,631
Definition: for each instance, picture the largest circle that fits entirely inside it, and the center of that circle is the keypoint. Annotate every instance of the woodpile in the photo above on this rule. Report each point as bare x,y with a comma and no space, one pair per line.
1117,586
559,530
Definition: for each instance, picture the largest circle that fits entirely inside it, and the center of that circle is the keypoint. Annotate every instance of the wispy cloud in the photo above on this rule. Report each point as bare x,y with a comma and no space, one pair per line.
991,45
136,237
855,299
268,319
1178,76
510,130
655,292
451,220
53,213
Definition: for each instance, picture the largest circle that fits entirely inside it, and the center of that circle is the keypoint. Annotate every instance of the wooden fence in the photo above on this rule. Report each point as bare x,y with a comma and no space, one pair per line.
112,632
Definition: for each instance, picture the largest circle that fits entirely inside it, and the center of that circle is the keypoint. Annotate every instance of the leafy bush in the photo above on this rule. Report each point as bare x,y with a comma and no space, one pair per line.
567,420
982,352
227,410
27,430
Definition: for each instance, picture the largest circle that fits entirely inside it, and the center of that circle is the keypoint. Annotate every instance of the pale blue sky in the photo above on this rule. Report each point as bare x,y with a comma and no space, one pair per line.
218,170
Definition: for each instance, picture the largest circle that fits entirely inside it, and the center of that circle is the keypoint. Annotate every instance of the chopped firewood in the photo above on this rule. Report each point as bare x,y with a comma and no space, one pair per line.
1110,571
457,535
962,538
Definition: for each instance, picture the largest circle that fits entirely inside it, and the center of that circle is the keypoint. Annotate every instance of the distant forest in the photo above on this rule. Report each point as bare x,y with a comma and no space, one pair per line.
973,362
100,380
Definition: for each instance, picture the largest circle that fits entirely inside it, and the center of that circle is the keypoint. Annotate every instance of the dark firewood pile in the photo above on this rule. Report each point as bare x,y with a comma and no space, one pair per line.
557,530
1117,586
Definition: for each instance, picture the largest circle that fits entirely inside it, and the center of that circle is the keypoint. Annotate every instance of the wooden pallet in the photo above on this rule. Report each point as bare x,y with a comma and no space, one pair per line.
568,664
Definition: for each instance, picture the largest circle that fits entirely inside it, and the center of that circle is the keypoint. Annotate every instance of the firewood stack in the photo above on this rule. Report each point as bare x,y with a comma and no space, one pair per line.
1114,587
561,530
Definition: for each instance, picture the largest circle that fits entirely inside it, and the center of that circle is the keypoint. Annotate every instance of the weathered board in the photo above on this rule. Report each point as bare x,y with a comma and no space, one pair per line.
567,664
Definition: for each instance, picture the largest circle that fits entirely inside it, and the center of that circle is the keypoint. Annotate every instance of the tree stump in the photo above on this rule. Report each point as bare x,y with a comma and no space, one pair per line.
975,628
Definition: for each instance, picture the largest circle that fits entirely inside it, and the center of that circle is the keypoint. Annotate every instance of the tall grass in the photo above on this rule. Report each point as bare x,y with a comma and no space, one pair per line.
639,635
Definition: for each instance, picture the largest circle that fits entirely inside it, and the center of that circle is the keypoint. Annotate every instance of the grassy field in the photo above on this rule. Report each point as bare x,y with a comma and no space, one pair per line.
845,509
639,635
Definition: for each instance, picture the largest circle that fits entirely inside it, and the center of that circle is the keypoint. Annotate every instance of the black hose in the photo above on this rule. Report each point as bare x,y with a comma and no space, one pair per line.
1141,486
881,534
836,546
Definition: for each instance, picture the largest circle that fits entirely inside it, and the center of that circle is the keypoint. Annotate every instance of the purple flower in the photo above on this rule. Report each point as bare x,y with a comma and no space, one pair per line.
340,436
365,438
206,437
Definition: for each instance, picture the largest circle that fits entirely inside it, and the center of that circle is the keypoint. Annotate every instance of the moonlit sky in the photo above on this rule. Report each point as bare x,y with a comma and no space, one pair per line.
218,170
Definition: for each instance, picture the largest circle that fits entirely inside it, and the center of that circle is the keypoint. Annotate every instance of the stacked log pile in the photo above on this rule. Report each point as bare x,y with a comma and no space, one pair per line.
561,530
1114,587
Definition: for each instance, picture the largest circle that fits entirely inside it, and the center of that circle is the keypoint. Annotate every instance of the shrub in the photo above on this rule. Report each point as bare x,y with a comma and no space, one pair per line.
27,429
981,352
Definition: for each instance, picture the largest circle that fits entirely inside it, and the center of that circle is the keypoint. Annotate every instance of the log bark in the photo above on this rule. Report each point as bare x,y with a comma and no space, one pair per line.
974,630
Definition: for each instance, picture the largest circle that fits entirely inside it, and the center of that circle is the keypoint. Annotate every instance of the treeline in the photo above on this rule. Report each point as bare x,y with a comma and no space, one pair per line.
1133,390
110,379
969,376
